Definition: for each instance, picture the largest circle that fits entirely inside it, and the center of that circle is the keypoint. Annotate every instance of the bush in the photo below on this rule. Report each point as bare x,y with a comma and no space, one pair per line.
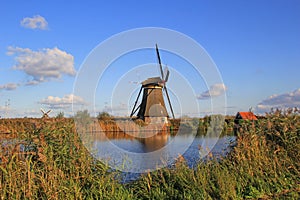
104,116
60,115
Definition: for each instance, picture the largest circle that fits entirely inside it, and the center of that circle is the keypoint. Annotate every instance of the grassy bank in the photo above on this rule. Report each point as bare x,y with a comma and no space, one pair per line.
264,164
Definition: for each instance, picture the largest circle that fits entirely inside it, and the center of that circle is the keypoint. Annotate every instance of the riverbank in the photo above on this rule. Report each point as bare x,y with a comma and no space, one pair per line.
212,125
263,164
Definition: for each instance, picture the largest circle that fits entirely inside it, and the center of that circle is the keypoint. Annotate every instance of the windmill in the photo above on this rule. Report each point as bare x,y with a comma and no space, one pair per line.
152,108
45,114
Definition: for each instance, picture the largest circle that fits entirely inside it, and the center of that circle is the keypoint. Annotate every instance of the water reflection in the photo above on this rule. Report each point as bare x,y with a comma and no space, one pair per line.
154,143
137,155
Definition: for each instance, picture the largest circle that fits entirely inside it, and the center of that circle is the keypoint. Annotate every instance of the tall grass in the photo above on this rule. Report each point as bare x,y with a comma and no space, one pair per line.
264,164
61,168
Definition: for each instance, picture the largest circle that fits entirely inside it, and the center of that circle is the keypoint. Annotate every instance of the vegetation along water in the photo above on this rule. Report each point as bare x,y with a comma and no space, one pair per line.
53,164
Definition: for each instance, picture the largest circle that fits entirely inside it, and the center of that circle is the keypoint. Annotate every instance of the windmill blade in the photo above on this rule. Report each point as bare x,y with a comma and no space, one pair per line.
167,73
48,111
159,61
166,90
43,111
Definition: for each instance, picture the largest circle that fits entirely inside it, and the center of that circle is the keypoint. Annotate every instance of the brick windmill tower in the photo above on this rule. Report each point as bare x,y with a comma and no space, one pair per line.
152,107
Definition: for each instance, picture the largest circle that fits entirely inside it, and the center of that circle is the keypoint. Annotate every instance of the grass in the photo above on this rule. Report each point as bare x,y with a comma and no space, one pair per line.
263,165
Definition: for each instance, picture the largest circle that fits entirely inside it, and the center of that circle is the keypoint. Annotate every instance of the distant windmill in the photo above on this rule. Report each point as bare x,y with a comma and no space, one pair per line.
45,114
153,105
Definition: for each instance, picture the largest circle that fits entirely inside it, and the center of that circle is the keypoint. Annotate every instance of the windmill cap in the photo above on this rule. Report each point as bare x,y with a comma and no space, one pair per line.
153,81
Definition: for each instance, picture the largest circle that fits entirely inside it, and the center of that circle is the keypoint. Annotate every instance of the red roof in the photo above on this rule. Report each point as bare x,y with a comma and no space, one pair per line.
247,115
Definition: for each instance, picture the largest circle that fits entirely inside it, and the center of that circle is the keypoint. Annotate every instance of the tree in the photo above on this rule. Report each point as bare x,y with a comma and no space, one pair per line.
83,117
60,115
104,116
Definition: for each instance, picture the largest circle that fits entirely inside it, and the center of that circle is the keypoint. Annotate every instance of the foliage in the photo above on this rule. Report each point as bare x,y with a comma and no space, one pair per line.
104,116
60,115
216,125
264,164
82,118
58,167
82,114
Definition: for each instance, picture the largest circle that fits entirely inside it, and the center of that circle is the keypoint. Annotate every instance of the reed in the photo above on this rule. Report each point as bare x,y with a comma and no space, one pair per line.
60,167
264,164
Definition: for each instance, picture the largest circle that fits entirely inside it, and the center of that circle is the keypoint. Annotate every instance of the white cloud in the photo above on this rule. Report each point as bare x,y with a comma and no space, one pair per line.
214,91
9,86
31,113
43,65
33,82
116,109
282,101
35,22
64,102
6,111
3,109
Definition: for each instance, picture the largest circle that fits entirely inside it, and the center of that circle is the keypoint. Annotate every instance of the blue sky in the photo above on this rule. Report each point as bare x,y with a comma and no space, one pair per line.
255,45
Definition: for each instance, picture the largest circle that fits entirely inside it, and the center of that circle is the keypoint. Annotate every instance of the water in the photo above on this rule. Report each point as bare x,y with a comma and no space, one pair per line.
136,156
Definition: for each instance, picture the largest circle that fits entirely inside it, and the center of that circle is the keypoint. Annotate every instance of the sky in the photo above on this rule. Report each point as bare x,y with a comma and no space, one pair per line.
255,46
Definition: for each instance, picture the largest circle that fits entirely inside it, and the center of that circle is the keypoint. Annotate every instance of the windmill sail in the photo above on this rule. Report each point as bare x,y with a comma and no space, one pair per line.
159,62
165,80
45,114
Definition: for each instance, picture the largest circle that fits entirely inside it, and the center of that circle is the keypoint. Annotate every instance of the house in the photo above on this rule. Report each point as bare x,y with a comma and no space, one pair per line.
245,116
242,116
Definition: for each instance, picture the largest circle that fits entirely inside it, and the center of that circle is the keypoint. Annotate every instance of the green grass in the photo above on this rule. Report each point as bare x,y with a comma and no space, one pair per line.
263,165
